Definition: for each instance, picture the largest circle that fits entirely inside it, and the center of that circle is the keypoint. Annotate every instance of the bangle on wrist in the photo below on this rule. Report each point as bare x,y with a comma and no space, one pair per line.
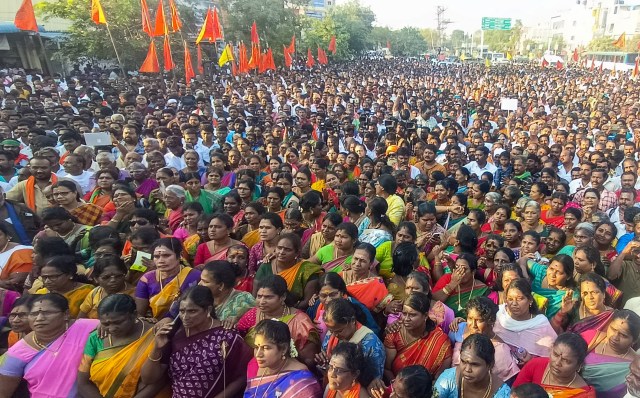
154,360
446,291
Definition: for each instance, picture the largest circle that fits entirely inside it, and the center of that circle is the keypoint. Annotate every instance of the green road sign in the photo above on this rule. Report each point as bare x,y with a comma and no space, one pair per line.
496,23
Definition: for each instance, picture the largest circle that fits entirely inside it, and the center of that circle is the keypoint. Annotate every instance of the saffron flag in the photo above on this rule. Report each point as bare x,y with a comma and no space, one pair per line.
188,66
601,67
634,73
226,56
575,56
545,63
332,45
200,66
211,29
234,68
160,28
593,64
621,43
288,61
243,61
270,62
310,60
176,24
166,53
150,64
292,46
97,13
559,65
146,20
254,34
25,17
322,57
254,61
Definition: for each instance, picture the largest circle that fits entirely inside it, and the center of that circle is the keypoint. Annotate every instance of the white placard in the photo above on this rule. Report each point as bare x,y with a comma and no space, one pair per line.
508,104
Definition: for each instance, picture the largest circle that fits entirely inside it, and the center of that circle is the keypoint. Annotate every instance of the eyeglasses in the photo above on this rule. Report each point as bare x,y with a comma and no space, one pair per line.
140,222
336,370
18,315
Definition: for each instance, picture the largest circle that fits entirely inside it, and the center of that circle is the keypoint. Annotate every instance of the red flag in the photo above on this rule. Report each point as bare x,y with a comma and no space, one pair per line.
288,61
332,45
200,66
262,66
234,68
188,66
176,24
146,20
254,61
217,28
593,64
292,46
254,34
601,67
211,29
166,53
322,57
25,17
310,60
97,13
243,62
559,65
545,63
575,57
150,64
270,62
160,28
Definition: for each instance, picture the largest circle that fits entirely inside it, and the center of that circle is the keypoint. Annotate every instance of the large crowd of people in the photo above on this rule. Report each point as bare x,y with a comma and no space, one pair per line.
377,228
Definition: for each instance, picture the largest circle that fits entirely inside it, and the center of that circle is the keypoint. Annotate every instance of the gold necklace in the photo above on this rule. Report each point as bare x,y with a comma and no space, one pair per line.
486,394
606,344
547,376
159,277
276,378
285,311
139,337
473,285
187,329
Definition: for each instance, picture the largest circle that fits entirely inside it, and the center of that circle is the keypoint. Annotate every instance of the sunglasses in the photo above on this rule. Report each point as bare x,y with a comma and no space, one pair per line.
139,222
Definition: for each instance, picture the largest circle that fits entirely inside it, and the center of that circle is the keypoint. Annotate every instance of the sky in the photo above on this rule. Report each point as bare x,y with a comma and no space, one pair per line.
464,14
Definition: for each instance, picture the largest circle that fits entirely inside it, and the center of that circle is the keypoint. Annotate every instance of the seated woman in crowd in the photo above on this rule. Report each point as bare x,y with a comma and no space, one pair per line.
195,334
275,371
249,232
220,228
380,228
52,351
347,372
406,232
269,230
220,276
477,358
110,272
18,318
101,195
336,256
15,262
59,222
191,213
66,195
559,374
323,237
460,286
60,275
553,281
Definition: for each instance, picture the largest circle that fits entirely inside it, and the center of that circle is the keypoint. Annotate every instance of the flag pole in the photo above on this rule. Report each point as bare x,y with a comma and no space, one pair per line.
115,49
44,54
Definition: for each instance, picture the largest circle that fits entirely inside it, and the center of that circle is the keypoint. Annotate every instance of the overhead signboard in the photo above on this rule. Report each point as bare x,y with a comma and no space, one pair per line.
496,23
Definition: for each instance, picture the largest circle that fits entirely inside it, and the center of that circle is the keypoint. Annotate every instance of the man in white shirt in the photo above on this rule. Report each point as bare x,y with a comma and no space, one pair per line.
481,164
585,177
74,170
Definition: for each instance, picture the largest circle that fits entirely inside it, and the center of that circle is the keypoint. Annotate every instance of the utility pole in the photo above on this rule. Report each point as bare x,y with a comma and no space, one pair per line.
442,23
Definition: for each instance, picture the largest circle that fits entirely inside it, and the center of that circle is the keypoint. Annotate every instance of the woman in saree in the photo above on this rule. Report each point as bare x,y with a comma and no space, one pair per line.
345,323
347,375
110,272
59,275
324,237
457,214
430,233
191,213
380,228
111,365
336,256
559,374
460,286
418,342
174,198
531,220
311,208
52,351
238,255
269,230
555,214
493,256
158,289
270,304
232,205
66,195
365,285
141,182
354,209
303,182
18,319
216,248
255,163
508,273
512,234
301,276
588,259
610,354
285,181
479,358
406,232
191,161
275,371
101,194
605,235
589,311
220,277
195,193
248,232
495,224
572,217
418,282
213,184
332,287
246,190
521,326
481,318
553,281
180,347
219,160
477,190
15,261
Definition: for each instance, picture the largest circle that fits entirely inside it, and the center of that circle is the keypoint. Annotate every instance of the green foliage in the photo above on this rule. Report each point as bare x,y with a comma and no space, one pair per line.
606,44
408,42
503,40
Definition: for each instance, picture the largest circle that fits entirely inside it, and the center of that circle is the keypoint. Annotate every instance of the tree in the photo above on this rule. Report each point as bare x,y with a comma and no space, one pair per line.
87,40
408,41
606,44
457,39
431,37
504,40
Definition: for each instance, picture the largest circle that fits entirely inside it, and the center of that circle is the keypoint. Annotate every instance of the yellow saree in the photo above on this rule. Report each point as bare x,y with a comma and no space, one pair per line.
75,297
161,302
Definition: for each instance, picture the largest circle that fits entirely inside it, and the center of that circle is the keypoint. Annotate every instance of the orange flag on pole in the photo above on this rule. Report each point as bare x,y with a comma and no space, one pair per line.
634,73
593,64
176,24
166,53
217,28
188,66
211,29
270,62
559,65
310,60
292,46
200,66
621,42
146,20
254,61
243,62
160,28
575,56
288,60
254,34
25,17
97,13
545,63
332,45
322,57
150,64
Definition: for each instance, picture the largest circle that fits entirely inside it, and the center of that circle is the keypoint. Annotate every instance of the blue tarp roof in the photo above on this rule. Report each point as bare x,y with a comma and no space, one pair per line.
9,27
